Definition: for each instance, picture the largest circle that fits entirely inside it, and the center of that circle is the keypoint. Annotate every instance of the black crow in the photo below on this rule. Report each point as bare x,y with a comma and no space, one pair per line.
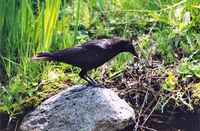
90,55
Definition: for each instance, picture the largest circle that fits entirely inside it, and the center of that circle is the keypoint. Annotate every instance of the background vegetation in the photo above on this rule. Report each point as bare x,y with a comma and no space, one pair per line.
27,27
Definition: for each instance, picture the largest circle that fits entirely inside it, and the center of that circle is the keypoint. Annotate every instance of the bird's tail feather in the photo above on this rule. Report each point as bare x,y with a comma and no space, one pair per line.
42,56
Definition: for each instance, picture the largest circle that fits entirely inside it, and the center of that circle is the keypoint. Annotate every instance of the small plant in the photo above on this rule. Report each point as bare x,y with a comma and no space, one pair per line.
12,97
189,69
170,82
164,47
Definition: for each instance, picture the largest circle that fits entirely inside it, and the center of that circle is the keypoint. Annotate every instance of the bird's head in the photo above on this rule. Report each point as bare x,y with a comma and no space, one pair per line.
129,46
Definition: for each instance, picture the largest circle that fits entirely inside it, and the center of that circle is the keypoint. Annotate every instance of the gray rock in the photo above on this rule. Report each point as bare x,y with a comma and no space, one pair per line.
80,108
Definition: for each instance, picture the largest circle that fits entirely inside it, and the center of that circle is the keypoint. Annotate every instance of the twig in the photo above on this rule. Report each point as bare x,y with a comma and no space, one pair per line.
16,126
151,129
138,120
151,112
151,103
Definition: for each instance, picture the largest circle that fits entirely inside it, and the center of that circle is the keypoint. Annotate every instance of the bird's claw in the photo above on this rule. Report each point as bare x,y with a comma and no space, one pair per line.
95,84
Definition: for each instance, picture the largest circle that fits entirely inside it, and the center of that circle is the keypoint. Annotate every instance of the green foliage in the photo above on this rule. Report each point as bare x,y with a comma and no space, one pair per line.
187,69
164,46
11,97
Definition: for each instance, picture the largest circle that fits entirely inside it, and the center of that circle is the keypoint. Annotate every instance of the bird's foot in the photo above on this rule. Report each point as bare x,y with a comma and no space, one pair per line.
95,84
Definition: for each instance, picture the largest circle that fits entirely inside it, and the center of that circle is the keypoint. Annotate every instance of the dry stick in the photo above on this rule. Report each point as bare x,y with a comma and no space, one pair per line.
156,93
151,103
139,84
138,121
151,129
151,74
16,126
9,122
151,112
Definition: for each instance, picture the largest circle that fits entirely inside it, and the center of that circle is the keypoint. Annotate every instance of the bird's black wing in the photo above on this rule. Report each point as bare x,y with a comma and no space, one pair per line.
102,43
82,56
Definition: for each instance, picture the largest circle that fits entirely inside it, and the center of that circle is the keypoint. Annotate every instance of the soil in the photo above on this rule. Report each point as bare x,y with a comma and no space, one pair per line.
157,109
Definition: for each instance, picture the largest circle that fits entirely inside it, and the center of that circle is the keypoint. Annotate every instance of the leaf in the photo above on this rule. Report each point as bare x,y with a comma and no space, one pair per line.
100,4
170,82
195,69
184,69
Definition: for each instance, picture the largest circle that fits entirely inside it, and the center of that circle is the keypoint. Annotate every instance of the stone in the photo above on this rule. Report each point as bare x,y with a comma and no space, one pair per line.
80,108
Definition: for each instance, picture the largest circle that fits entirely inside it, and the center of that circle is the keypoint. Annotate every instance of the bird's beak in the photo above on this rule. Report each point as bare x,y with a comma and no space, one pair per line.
136,59
135,56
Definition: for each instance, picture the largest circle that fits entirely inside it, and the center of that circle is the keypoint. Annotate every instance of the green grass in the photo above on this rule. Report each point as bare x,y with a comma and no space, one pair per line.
31,26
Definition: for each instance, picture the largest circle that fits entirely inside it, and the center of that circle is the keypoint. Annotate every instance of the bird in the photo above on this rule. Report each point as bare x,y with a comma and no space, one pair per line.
90,55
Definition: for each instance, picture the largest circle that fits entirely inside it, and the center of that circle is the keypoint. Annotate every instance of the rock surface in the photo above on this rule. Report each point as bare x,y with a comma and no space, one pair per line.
80,108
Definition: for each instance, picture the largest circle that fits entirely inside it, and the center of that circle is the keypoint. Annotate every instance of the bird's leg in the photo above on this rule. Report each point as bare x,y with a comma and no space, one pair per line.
83,75
93,81
97,84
